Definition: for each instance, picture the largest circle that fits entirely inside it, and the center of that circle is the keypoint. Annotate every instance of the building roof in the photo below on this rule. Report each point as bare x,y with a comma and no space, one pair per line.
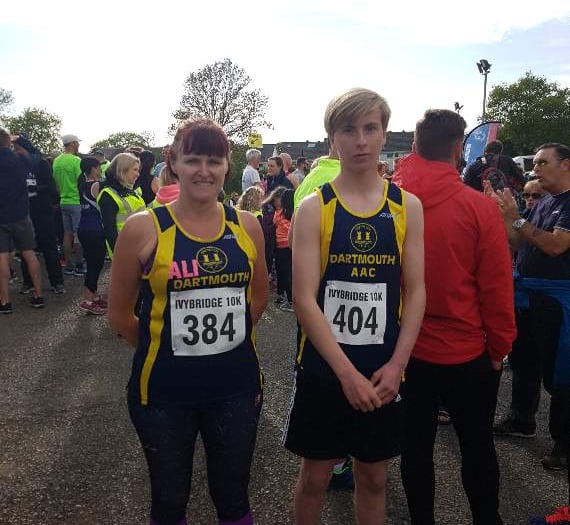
396,141
400,141
308,149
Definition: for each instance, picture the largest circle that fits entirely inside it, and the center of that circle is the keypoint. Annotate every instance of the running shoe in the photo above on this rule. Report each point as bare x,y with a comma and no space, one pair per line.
91,307
556,460
58,289
6,308
68,270
342,477
37,302
79,270
510,427
560,516
102,302
26,290
286,306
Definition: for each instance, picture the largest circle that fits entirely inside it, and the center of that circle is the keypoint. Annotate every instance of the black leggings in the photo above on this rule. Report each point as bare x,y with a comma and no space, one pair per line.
168,437
93,246
284,264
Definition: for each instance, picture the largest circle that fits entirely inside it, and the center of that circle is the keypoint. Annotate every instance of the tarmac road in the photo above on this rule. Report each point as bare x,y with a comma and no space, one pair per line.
69,455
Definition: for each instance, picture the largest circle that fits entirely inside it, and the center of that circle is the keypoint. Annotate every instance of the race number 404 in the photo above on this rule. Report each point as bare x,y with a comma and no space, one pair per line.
206,322
356,312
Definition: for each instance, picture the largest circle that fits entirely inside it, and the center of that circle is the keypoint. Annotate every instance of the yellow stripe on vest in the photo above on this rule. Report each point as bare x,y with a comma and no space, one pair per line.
158,281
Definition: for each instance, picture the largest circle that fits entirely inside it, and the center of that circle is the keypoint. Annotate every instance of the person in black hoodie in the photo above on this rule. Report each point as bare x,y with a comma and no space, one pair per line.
276,176
16,228
43,196
494,158
144,182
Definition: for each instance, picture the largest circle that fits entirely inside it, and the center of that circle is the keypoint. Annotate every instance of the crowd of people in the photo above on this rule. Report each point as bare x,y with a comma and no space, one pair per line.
409,292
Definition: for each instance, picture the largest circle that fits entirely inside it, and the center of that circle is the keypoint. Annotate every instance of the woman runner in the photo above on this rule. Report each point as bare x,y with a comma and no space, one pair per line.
203,279
91,236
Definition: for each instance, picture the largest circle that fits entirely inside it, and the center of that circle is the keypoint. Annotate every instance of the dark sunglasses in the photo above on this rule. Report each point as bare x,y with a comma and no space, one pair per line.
533,195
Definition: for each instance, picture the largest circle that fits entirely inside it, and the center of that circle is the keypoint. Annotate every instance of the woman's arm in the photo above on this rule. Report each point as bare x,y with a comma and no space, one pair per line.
293,180
260,285
95,190
134,246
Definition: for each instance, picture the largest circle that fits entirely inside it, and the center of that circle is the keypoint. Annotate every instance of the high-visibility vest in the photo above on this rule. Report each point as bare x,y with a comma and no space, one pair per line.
126,206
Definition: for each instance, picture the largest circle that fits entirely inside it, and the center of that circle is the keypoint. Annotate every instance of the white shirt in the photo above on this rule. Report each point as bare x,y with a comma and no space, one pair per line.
249,178
300,174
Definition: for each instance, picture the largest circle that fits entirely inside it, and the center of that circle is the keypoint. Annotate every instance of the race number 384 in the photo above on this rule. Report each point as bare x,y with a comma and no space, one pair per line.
356,312
206,322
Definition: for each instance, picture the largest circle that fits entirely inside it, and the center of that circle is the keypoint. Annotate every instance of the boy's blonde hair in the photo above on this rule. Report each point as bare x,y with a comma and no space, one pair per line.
352,104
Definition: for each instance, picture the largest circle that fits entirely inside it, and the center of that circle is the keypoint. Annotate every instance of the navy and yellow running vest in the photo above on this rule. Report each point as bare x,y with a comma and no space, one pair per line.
359,292
196,340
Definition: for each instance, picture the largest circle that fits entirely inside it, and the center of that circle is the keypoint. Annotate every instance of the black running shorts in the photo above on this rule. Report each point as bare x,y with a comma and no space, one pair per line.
322,425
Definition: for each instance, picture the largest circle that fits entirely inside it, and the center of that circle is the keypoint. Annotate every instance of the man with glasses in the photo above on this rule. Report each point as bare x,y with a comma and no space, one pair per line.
543,262
524,359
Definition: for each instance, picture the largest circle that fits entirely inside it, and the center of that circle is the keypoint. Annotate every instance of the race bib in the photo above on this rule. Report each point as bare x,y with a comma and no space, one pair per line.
356,312
206,322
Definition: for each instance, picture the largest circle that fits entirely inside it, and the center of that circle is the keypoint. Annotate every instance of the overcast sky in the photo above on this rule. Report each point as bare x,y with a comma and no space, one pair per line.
110,66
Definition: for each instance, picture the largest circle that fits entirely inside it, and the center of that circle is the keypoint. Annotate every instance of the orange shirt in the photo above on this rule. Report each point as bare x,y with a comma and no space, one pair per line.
282,226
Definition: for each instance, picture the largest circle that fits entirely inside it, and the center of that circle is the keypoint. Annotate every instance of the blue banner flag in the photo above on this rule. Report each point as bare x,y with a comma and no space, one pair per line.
474,143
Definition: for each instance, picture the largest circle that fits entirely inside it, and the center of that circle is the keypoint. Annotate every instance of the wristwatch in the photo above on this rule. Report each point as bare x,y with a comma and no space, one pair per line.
518,224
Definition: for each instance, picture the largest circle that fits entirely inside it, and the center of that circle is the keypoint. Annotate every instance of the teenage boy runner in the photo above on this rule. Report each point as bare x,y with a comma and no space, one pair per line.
360,307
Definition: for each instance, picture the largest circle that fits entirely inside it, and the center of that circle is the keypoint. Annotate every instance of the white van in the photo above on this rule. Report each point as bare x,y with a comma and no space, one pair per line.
524,162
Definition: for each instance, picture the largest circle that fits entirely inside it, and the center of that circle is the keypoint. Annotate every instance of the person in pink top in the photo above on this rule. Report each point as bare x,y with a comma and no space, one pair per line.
168,188
283,259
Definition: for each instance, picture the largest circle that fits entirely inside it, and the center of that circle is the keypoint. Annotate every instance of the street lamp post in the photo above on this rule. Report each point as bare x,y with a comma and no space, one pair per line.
484,67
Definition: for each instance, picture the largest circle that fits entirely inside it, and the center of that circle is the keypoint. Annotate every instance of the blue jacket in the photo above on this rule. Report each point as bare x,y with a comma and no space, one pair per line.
559,290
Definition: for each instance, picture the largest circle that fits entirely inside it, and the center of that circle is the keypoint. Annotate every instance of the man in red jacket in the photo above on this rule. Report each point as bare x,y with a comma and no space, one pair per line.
468,326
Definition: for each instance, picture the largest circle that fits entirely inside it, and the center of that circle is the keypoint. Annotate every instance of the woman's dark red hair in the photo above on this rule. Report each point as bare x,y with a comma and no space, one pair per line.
202,136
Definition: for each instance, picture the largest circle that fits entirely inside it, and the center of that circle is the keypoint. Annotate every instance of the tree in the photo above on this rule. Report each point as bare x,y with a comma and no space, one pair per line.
124,139
532,111
221,91
6,100
238,163
41,127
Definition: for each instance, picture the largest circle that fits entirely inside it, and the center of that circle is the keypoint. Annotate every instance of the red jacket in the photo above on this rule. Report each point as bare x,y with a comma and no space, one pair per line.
469,282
